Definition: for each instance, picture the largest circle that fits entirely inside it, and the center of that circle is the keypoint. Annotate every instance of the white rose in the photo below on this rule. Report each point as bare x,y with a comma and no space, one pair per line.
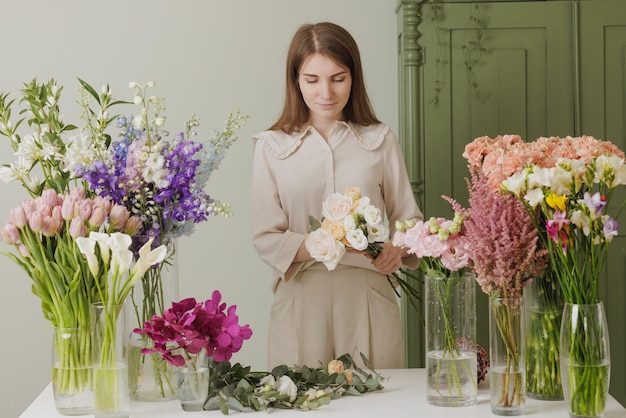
324,248
336,207
357,239
285,386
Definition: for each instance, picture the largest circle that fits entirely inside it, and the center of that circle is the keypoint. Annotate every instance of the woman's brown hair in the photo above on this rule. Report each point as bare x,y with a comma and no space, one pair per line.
336,43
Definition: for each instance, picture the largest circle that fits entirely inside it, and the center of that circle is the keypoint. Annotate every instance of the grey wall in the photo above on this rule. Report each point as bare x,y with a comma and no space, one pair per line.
207,57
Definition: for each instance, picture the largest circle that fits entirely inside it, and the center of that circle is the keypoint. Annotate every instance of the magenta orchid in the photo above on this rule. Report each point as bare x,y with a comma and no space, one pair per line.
192,326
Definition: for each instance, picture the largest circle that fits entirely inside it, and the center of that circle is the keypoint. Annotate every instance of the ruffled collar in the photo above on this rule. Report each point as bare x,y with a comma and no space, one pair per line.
282,145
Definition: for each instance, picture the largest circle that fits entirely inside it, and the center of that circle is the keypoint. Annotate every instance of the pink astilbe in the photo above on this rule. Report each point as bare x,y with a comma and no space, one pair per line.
193,326
502,240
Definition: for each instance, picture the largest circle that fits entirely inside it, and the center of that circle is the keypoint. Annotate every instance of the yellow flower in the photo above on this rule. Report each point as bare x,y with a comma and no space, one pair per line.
556,202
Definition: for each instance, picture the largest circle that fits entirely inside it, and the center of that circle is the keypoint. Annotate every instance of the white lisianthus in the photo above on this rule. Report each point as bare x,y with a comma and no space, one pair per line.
349,223
324,248
377,233
336,207
372,215
357,239
268,382
286,386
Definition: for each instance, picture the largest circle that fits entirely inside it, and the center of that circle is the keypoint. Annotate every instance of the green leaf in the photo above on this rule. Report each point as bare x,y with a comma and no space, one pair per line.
314,223
90,89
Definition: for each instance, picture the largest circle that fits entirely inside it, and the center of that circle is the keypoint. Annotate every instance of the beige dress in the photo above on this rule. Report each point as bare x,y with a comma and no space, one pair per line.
318,315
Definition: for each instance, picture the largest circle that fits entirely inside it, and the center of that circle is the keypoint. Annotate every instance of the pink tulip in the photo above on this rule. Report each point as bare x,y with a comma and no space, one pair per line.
132,225
98,216
118,216
35,221
10,233
18,216
67,208
77,228
50,197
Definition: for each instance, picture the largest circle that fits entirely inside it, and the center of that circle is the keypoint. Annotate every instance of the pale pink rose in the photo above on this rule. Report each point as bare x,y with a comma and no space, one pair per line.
335,366
335,229
324,248
353,193
336,207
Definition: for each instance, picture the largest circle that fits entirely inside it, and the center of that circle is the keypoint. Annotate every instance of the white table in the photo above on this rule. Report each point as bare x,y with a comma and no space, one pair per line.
403,396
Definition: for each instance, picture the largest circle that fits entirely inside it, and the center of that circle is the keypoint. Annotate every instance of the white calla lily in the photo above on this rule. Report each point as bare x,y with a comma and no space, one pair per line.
87,246
102,240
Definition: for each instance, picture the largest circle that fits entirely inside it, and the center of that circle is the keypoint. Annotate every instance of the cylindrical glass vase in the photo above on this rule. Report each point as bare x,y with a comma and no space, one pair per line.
71,370
150,377
450,338
506,356
110,369
585,359
193,381
543,310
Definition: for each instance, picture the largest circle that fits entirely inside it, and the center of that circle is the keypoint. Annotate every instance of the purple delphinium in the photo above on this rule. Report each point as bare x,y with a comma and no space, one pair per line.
170,205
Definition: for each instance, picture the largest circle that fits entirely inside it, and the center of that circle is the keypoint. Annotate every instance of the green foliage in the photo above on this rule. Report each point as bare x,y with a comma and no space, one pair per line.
237,388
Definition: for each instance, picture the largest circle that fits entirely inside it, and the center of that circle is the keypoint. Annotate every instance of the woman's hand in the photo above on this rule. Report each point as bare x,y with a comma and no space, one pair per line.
390,258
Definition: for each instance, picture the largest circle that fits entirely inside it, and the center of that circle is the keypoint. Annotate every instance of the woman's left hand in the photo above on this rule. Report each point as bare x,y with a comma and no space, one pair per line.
390,258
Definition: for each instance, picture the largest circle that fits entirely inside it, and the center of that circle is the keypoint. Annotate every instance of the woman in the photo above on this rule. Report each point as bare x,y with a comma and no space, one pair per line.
327,139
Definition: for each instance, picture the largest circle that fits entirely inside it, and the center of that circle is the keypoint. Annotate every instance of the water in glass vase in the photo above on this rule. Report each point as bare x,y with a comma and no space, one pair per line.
75,402
111,398
585,388
153,378
507,391
451,379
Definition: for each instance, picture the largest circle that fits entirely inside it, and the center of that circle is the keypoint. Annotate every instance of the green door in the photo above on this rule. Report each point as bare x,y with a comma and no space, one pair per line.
500,68
603,115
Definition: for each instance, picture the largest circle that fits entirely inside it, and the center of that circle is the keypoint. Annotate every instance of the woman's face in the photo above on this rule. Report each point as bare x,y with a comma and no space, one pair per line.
325,87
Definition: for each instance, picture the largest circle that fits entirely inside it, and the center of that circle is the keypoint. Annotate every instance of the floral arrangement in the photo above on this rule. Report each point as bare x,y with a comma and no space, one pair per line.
569,197
162,181
189,327
143,185
304,388
505,255
440,245
111,265
349,220
497,159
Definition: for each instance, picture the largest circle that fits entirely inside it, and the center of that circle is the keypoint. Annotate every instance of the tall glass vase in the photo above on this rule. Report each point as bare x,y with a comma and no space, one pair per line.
71,370
506,356
150,377
110,369
450,336
543,310
585,359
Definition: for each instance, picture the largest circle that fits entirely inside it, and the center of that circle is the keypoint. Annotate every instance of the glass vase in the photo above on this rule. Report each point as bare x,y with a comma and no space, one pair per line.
71,370
543,310
450,337
506,356
585,359
110,368
193,381
150,377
